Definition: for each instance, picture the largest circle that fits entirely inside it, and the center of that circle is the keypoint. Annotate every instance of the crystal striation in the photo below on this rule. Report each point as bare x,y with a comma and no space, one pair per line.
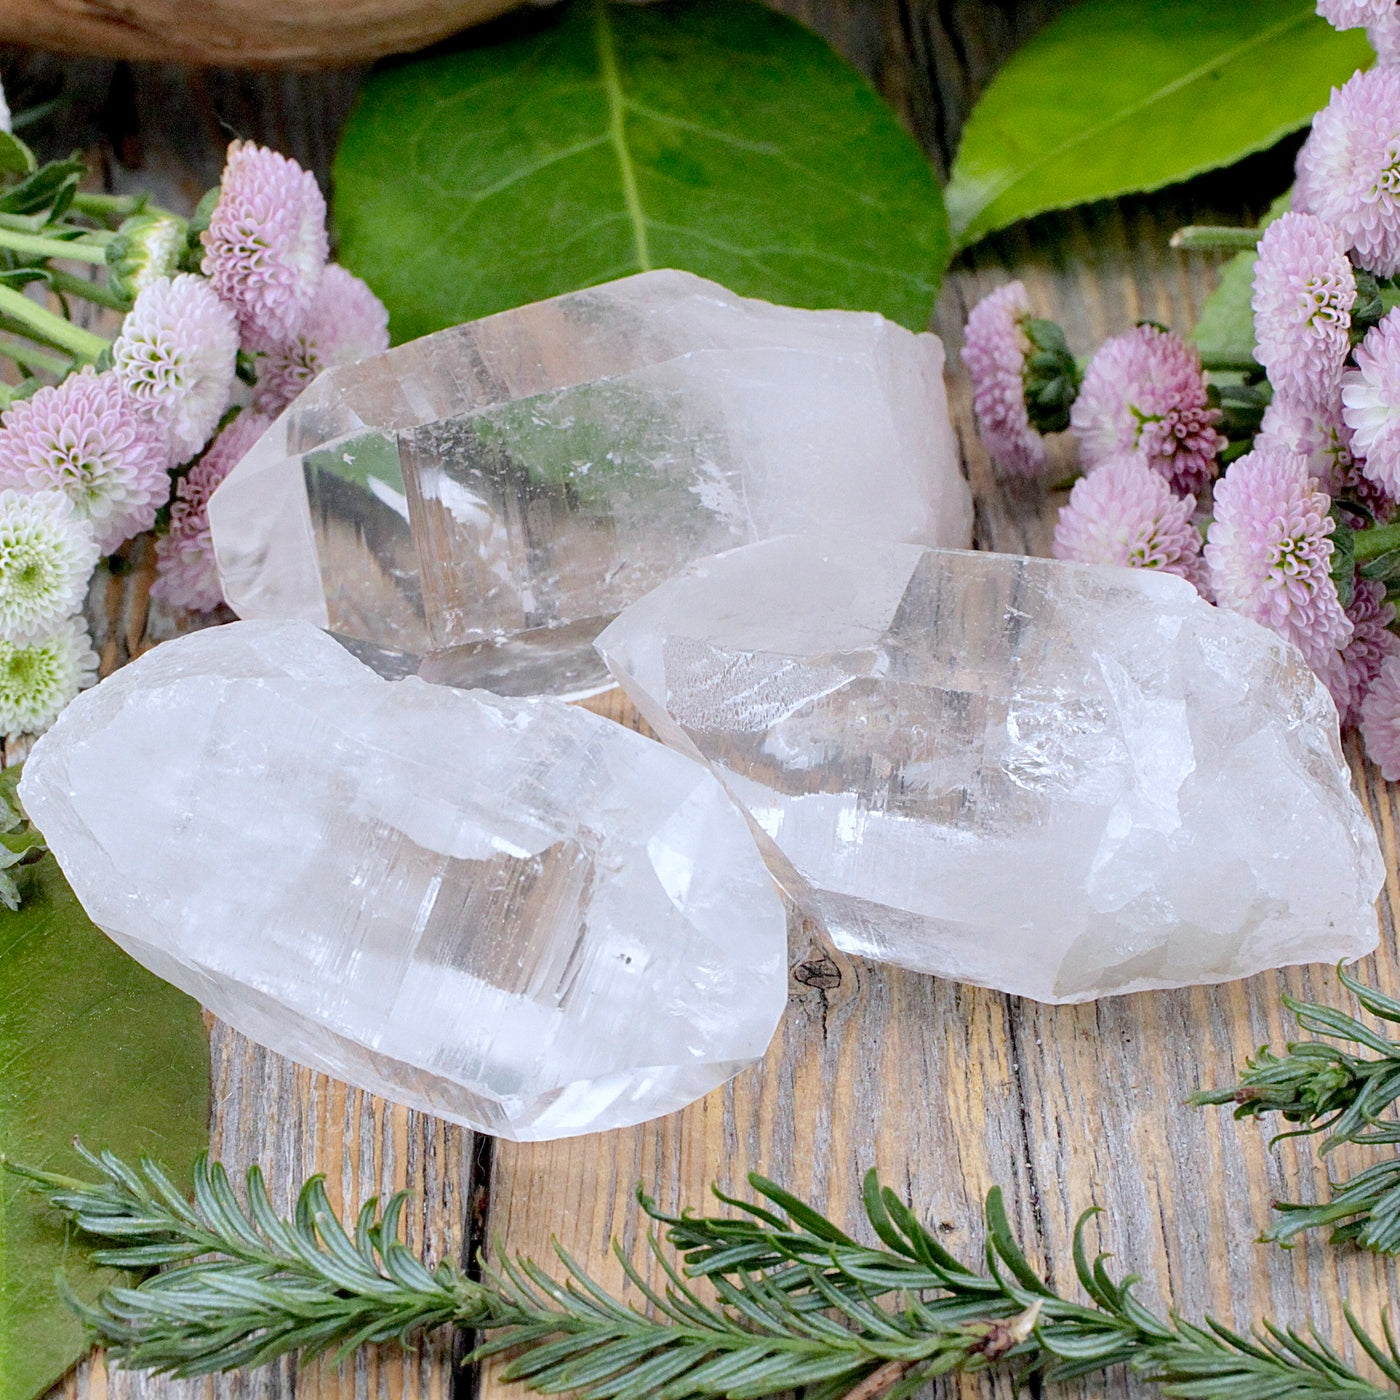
511,913
1057,780
485,488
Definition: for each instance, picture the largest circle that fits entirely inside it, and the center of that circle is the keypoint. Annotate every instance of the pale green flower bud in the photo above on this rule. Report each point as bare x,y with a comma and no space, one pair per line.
146,248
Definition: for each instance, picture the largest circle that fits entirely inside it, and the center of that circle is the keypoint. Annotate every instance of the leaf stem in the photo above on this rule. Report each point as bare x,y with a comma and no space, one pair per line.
53,329
114,206
880,1382
95,292
32,358
1231,364
37,246
1215,237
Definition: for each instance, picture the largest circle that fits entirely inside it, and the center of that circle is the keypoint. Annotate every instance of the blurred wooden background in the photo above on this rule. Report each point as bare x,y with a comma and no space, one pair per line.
946,1088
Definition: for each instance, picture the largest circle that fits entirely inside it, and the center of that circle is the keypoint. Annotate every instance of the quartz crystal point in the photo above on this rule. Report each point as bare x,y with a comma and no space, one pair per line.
511,913
1059,781
497,491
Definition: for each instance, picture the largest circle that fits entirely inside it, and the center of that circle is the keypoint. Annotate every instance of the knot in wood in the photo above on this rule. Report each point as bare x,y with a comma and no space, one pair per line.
819,972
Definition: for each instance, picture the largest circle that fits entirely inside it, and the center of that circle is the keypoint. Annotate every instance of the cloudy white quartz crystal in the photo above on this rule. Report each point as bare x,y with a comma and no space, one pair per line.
500,489
511,913
1057,780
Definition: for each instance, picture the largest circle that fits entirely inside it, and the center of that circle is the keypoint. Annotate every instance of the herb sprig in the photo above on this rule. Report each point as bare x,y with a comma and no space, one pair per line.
1331,1091
773,1298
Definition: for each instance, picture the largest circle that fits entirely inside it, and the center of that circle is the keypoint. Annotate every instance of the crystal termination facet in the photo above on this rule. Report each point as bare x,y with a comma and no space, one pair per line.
535,471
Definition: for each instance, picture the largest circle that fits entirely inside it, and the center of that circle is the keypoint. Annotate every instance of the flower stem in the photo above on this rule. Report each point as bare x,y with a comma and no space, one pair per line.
1378,540
46,326
32,358
40,247
1232,364
114,206
1215,237
90,291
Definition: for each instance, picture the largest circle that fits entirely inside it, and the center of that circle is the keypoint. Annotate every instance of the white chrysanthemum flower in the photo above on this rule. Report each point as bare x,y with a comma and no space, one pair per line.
6,124
38,678
176,356
47,554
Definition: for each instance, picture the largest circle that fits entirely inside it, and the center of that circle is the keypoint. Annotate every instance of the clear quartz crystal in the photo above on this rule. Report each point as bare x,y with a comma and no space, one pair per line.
497,491
511,913
1059,781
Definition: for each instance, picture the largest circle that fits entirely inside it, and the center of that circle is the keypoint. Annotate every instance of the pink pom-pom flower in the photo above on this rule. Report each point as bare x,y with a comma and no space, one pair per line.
266,246
1269,553
995,349
176,356
1125,513
347,322
1380,720
1349,168
86,439
1144,392
1320,436
1384,35
1304,289
1371,404
1351,671
186,576
1354,14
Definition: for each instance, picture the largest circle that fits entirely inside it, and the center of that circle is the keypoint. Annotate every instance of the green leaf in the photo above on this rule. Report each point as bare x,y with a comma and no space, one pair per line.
92,1046
1119,96
15,157
1225,331
710,135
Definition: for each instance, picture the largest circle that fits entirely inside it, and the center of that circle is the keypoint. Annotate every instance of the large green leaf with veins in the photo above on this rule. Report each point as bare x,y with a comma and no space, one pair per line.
91,1046
1118,96
711,135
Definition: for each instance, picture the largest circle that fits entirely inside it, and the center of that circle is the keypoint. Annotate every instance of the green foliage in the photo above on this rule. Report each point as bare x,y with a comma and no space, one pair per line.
714,136
89,1040
1225,331
1050,375
772,1298
303,1285
1118,96
1330,1090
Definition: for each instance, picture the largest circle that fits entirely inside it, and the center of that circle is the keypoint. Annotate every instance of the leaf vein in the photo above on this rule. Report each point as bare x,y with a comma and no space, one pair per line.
617,130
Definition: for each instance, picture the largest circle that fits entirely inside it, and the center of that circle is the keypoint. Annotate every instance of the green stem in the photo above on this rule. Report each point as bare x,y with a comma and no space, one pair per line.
114,206
54,330
1216,237
24,223
1231,364
1378,540
90,291
32,358
37,246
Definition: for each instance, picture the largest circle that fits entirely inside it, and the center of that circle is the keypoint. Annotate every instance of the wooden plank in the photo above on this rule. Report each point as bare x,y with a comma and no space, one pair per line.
947,1089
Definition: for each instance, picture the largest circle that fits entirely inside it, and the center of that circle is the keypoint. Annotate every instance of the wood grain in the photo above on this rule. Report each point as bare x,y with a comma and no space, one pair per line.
946,1089
243,33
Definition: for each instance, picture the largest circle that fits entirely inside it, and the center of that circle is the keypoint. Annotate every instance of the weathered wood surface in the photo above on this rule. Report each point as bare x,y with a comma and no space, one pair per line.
248,33
946,1089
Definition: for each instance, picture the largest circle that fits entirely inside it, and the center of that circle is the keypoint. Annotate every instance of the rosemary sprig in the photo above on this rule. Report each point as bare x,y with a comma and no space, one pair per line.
1332,1091
790,1301
236,1285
